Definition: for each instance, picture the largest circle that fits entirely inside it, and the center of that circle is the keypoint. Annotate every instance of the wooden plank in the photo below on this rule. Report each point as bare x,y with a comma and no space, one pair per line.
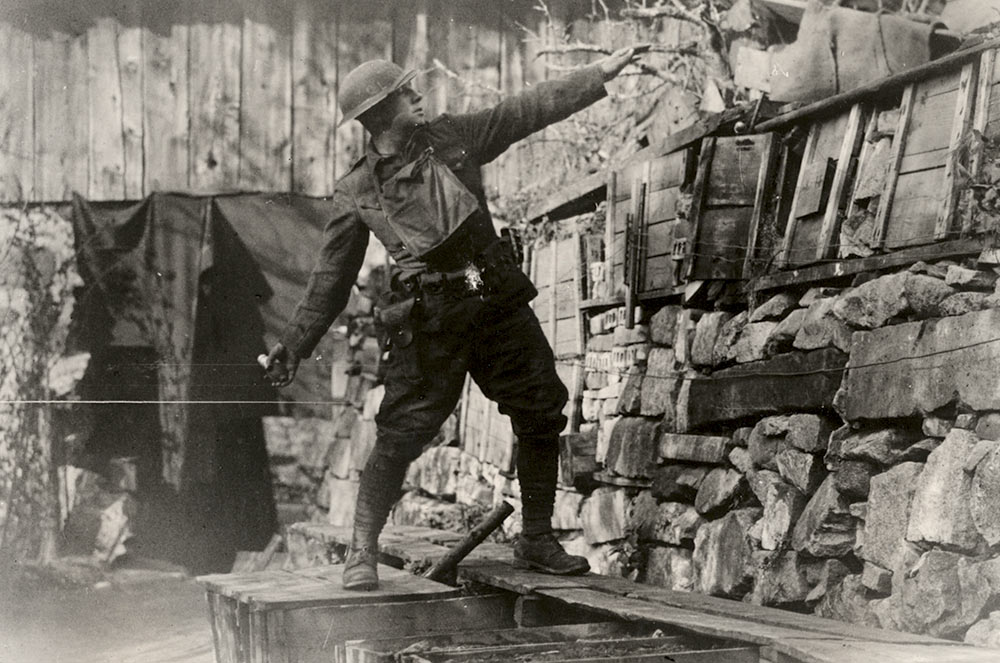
60,137
961,120
265,99
130,71
831,217
764,184
17,181
165,99
314,71
728,654
107,150
697,201
864,163
892,176
734,169
784,255
841,268
918,198
980,118
591,648
216,46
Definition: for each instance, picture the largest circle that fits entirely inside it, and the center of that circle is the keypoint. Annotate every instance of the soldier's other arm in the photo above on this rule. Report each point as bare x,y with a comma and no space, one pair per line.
491,131
345,239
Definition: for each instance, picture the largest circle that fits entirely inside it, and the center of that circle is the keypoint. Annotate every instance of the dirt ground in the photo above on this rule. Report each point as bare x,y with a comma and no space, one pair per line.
124,616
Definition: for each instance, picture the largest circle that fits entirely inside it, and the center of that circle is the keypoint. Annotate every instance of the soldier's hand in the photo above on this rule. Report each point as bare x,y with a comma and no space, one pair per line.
613,64
280,365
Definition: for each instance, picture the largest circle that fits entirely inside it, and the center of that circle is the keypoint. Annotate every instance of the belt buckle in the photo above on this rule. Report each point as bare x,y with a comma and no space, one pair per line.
473,278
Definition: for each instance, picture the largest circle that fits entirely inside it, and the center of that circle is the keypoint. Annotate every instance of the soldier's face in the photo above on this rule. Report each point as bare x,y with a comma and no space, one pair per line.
407,109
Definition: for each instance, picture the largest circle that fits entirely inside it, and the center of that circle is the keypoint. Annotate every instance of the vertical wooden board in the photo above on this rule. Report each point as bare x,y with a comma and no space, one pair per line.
659,273
216,45
915,205
961,121
265,103
104,111
314,71
165,99
130,72
60,92
17,181
895,159
784,256
835,199
762,203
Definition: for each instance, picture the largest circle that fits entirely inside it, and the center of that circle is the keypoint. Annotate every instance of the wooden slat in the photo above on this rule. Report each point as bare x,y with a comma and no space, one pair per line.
697,201
130,71
17,182
867,148
980,119
831,217
764,184
964,105
265,103
314,71
60,142
895,159
915,206
107,149
216,46
165,99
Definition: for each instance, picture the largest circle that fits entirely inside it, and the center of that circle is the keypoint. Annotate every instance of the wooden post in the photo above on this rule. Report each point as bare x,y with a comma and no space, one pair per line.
697,201
832,214
895,160
764,184
980,118
446,566
964,105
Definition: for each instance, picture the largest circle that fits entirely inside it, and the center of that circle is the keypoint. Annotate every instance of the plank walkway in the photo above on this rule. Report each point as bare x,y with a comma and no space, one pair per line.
784,637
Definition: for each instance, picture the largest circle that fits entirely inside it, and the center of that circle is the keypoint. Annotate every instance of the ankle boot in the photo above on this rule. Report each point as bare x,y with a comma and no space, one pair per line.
543,552
361,566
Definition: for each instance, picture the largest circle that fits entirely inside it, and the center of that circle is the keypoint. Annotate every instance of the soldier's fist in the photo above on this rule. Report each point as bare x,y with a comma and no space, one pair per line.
280,365
613,64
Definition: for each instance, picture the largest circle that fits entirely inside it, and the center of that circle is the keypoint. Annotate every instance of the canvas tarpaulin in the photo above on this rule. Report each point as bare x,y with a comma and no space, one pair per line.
207,282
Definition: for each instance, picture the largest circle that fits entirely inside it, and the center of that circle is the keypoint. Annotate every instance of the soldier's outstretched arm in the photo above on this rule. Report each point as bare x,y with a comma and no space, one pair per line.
491,131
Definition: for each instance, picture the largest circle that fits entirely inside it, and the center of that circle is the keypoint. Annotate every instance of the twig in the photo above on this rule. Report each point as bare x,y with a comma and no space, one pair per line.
662,11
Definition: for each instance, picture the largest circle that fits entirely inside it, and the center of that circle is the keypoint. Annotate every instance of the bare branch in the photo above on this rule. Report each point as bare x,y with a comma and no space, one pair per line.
689,48
662,11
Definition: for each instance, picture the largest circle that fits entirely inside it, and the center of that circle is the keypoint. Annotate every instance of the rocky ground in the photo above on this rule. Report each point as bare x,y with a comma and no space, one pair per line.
139,613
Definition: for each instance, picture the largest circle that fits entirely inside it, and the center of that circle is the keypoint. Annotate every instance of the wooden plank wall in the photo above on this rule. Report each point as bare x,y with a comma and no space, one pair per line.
123,99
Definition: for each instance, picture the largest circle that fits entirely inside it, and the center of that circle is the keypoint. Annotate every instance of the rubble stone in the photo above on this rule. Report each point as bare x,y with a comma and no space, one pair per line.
705,334
760,482
783,336
809,432
677,482
783,505
566,510
694,448
963,302
826,528
970,278
940,512
718,492
752,342
792,382
848,602
924,294
904,376
802,470
889,502
874,303
764,443
877,579
775,308
824,576
678,524
630,401
669,567
988,426
985,632
663,325
435,472
604,515
936,426
632,448
341,496
722,554
853,478
882,446
936,601
660,385
822,329
979,452
623,336
779,578
921,267
741,460
966,421
814,294
985,499
729,334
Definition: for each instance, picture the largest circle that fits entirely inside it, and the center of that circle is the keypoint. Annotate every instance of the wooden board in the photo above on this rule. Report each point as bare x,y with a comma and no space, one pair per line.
216,45
17,182
165,99
266,103
314,80
105,99
60,126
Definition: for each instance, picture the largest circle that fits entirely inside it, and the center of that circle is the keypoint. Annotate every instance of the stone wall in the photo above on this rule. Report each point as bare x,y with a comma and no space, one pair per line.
830,450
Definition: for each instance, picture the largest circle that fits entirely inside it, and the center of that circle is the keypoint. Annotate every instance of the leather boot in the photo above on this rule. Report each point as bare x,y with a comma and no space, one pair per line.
544,553
378,491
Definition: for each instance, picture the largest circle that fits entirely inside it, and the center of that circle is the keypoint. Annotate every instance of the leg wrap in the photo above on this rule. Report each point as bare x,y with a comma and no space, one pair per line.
378,491
537,466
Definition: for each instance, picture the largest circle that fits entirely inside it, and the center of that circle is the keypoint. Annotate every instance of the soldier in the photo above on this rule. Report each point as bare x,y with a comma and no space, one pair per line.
458,302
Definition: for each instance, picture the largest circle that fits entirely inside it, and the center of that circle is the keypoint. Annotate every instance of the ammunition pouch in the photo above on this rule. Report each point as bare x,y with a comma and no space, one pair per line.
394,320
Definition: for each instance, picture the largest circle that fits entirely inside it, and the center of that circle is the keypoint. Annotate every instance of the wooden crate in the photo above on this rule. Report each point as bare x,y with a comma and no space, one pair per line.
306,616
486,433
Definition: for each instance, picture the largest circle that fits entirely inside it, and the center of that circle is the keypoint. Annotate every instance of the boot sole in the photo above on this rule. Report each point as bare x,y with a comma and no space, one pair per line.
535,566
365,586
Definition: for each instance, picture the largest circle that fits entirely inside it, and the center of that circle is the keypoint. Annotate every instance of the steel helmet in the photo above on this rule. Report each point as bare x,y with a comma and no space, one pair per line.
368,84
